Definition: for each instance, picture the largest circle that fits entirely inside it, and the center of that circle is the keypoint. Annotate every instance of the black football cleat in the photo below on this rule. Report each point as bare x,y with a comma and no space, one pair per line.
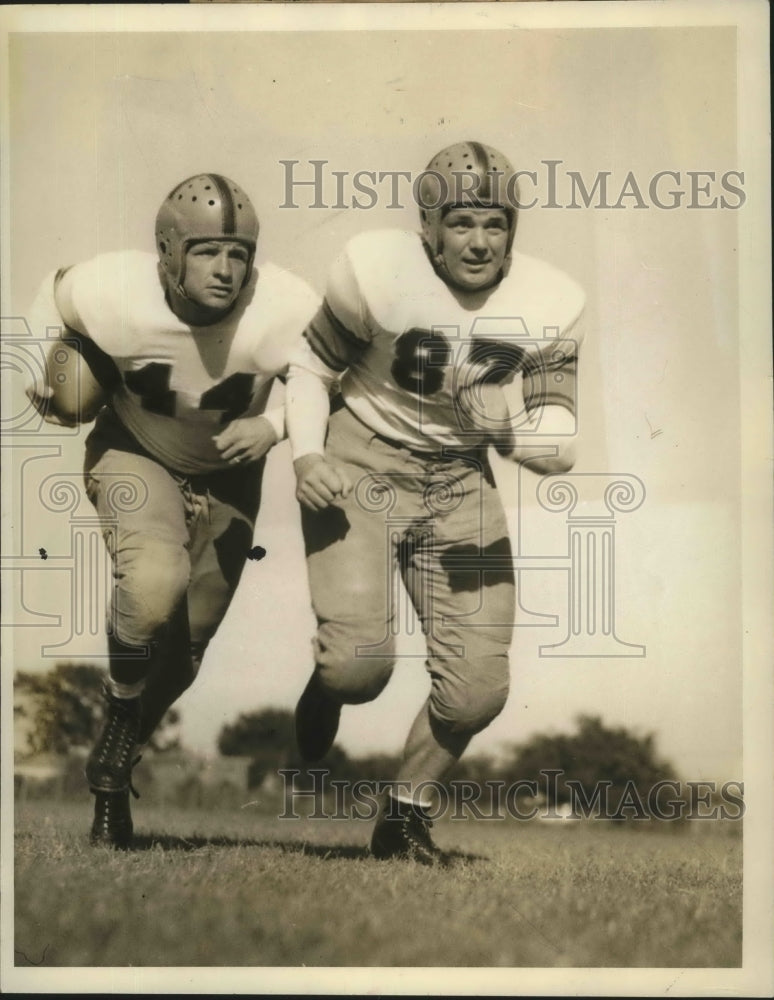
109,767
112,826
317,721
403,831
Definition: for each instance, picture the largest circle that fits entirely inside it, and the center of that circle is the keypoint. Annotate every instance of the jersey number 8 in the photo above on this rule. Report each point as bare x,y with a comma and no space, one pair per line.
421,357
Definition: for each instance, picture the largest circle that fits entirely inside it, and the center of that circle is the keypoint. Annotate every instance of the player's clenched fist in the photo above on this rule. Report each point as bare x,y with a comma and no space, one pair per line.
319,483
246,439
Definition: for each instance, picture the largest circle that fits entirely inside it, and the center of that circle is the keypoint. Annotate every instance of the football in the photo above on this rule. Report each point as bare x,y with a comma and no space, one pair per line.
78,395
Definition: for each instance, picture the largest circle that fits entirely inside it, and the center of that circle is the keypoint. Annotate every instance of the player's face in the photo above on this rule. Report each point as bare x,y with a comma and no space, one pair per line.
474,242
214,273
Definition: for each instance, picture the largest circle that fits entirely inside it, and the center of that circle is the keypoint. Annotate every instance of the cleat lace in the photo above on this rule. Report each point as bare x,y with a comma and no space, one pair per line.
117,742
112,826
110,763
417,832
407,836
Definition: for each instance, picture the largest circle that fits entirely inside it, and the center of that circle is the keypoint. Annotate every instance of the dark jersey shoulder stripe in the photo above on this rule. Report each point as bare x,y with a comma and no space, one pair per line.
318,344
551,385
332,341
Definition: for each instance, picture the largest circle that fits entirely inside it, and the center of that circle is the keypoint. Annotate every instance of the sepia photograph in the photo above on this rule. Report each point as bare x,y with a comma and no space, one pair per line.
387,499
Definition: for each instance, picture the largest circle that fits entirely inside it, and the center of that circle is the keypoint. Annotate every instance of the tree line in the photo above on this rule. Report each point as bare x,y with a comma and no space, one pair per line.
62,709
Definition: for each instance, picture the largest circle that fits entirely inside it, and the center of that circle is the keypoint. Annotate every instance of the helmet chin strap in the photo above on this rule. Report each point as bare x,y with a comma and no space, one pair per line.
175,285
431,241
172,288
183,306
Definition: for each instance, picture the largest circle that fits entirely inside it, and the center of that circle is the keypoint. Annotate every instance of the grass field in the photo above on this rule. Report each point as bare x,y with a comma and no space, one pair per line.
243,888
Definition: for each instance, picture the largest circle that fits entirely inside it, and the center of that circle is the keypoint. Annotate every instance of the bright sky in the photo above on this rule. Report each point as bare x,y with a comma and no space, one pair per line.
102,126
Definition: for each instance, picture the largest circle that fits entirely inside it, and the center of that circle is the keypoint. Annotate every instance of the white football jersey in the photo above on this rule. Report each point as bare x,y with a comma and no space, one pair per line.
181,384
400,334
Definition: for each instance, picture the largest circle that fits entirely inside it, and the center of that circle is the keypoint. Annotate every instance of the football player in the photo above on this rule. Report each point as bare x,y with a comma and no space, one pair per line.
175,354
444,342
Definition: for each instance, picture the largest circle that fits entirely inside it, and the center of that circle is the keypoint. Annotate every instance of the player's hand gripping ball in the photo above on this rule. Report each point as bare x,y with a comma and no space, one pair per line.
43,401
71,394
